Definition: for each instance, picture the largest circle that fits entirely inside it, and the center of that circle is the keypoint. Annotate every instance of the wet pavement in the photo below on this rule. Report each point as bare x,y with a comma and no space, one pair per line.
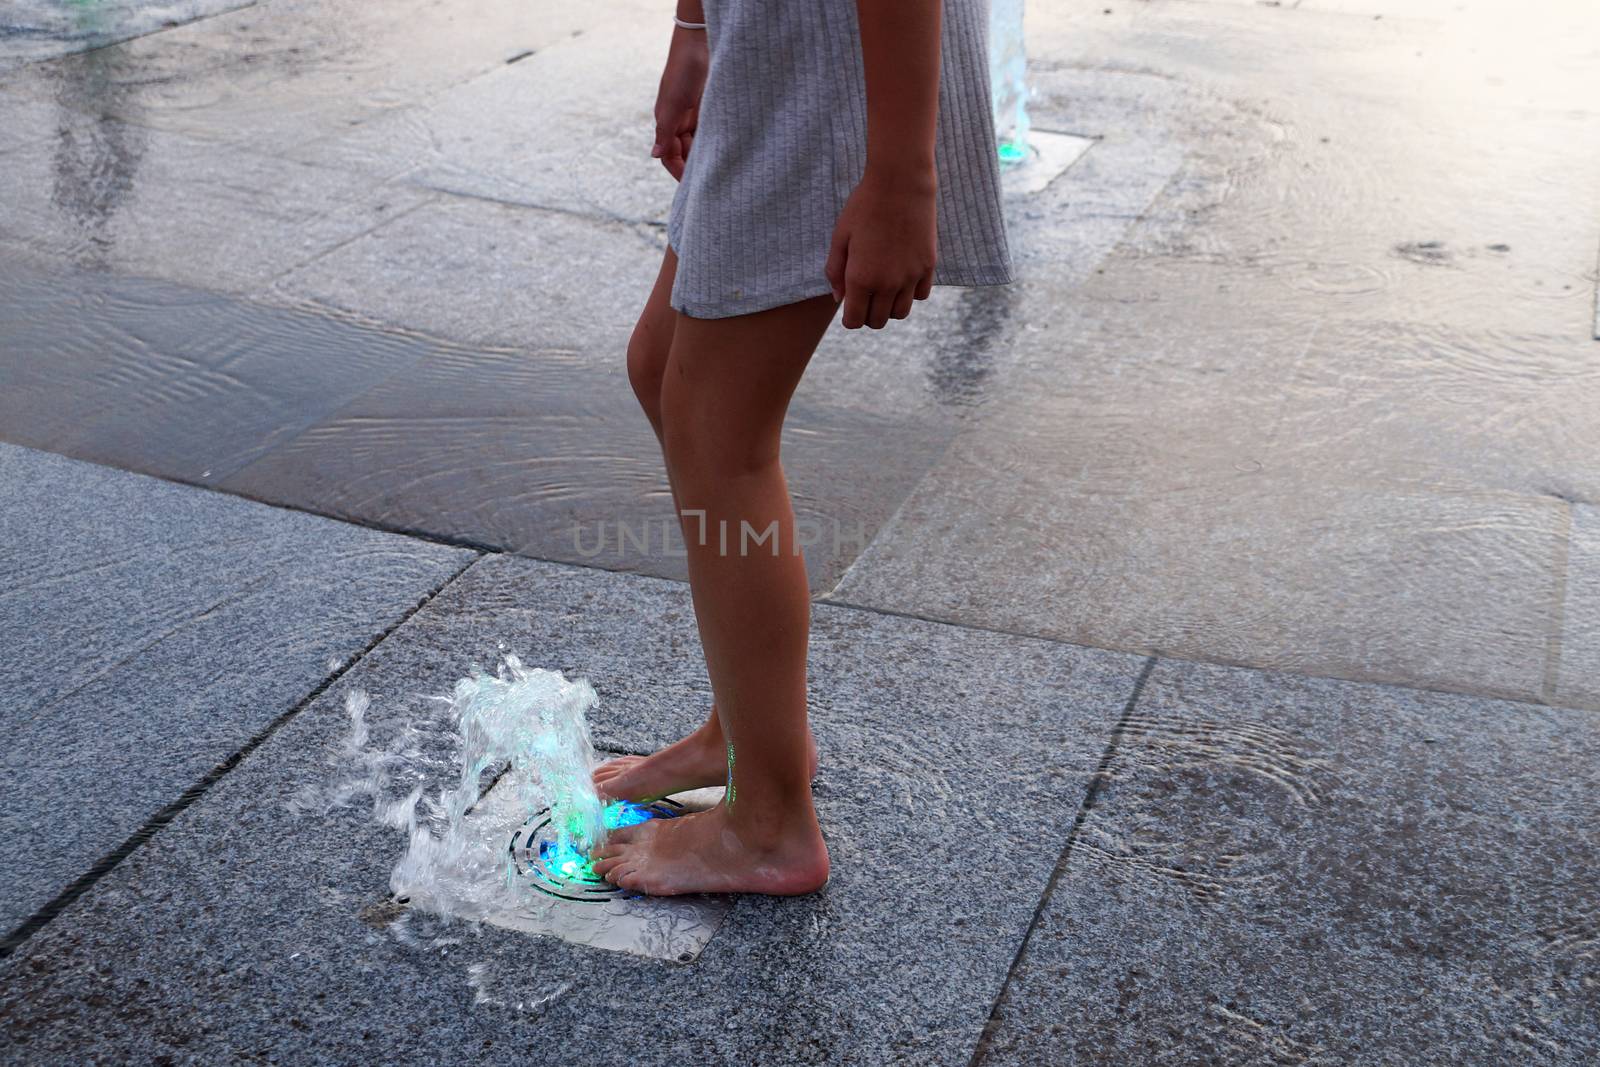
1207,629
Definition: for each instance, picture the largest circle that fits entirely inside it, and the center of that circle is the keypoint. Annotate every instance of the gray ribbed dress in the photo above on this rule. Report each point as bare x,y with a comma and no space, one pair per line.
782,140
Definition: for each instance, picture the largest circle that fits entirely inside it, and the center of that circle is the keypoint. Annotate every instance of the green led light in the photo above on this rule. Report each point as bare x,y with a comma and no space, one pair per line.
1012,152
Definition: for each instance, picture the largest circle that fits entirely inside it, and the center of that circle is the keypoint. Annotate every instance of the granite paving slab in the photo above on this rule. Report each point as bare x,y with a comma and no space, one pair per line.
274,76
569,127
173,380
490,273
1383,501
542,454
1344,197
1281,869
952,763
28,117
110,193
151,630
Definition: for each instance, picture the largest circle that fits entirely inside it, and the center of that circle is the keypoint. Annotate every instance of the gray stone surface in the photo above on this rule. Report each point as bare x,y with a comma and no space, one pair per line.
1576,681
172,380
1257,433
239,930
26,117
1308,519
540,454
111,194
1348,198
150,631
1290,870
569,128
273,76
491,273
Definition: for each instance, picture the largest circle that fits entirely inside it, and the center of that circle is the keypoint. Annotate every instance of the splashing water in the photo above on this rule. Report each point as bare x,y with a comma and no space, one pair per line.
494,792
528,723
532,722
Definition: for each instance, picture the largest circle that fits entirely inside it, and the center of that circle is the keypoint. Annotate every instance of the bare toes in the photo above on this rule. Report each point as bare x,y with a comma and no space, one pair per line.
612,768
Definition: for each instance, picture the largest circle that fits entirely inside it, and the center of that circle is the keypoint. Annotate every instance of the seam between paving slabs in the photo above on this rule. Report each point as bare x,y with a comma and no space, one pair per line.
63,900
1097,781
1553,640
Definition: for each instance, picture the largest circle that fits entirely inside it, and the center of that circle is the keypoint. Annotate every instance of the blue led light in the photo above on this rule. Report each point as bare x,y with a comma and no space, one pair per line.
620,813
561,858
564,861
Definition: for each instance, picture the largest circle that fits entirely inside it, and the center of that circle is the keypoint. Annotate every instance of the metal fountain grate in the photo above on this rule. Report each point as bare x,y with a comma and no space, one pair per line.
536,857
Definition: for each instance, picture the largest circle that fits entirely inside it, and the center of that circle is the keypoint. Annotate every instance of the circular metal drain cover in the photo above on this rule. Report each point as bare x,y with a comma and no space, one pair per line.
537,855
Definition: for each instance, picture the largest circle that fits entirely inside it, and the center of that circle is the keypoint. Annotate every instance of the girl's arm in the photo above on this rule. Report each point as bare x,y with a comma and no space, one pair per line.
886,239
677,110
900,51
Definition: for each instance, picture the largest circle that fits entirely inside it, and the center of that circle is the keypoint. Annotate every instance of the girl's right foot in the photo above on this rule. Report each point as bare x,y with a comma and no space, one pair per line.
697,761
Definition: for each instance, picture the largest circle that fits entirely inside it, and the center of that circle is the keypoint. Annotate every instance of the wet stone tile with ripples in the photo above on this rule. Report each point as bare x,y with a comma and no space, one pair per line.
1292,870
259,927
170,380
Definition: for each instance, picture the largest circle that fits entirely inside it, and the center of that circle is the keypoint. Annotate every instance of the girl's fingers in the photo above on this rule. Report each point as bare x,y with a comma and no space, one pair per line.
833,269
878,310
925,286
672,148
672,160
902,304
857,302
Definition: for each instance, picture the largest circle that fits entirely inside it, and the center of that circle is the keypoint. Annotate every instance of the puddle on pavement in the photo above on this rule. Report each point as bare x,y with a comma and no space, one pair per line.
542,451
1376,270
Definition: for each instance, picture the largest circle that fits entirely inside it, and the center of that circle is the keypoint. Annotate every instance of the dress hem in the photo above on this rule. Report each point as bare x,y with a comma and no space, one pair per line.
965,277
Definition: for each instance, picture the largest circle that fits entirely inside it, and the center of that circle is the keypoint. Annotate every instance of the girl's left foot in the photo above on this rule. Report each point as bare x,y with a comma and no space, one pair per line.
695,762
706,853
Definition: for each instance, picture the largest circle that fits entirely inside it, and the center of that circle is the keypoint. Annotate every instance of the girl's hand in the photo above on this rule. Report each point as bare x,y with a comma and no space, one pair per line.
884,246
678,99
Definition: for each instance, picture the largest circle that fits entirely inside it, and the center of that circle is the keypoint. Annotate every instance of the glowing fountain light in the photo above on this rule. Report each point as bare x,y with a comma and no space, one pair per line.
562,856
620,813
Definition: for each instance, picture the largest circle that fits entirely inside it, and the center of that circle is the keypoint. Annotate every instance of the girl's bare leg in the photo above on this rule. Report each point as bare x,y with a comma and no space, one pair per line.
725,391
699,759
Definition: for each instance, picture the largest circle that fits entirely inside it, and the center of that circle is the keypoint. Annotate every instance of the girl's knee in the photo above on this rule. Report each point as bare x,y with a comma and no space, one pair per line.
705,441
647,364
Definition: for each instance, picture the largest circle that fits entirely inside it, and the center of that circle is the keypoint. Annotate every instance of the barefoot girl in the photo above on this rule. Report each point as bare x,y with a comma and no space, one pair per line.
828,152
